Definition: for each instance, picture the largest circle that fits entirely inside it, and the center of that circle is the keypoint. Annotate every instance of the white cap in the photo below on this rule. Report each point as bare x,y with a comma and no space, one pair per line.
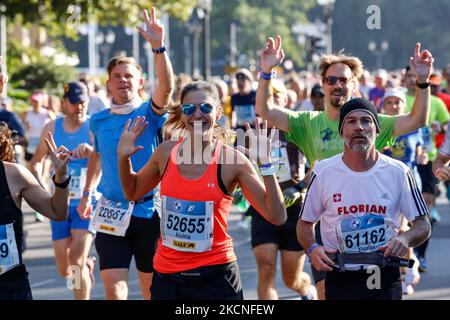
382,73
395,92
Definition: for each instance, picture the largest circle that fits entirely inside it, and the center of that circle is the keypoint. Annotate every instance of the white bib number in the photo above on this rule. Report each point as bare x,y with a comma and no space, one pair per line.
112,217
77,182
362,234
9,255
187,225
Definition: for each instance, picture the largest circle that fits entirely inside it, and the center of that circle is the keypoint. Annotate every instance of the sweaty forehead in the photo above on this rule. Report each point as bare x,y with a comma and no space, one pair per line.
124,68
339,70
197,96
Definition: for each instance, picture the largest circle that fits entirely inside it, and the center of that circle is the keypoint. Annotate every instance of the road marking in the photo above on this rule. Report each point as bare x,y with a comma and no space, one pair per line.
42,283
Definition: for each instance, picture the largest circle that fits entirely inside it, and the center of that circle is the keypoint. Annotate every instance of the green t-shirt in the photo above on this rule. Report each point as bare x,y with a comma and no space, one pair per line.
438,112
318,137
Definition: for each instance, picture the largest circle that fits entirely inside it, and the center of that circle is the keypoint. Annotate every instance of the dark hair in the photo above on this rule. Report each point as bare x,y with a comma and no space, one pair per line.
173,122
6,143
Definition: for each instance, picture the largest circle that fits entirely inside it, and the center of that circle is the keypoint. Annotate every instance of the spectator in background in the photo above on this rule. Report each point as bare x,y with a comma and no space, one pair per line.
376,94
225,101
291,99
181,80
96,104
364,84
446,76
316,102
243,102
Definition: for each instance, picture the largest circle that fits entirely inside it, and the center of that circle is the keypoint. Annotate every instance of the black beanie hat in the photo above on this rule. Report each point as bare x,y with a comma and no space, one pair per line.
358,104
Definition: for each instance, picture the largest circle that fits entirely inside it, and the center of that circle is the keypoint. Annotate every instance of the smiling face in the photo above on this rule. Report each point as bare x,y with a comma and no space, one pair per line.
124,82
199,122
359,131
336,94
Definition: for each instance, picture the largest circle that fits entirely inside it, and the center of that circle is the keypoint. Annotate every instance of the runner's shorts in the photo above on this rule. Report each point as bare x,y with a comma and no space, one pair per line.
362,285
61,229
216,282
139,241
285,236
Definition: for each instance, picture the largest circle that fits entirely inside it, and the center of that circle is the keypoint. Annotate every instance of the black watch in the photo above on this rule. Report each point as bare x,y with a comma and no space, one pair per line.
423,85
62,185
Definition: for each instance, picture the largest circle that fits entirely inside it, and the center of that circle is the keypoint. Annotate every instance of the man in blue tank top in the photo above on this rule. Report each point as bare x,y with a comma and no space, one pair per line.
71,238
126,229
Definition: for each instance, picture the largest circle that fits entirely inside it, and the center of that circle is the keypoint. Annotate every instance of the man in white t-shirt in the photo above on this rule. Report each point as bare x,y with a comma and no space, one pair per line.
359,197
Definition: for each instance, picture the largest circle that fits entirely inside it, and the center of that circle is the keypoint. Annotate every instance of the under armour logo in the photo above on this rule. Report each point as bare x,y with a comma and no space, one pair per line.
210,185
337,197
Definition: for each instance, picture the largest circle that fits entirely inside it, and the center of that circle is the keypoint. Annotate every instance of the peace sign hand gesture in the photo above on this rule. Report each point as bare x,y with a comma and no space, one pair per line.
272,55
154,33
421,64
60,158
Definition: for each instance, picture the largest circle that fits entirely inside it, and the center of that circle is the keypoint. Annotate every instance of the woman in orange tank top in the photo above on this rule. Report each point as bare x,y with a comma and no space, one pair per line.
198,175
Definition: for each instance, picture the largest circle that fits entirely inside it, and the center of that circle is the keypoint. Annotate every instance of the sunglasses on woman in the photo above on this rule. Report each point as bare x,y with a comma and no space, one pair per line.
189,108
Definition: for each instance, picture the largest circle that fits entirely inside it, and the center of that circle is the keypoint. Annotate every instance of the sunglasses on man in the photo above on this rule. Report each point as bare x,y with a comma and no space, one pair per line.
331,80
189,108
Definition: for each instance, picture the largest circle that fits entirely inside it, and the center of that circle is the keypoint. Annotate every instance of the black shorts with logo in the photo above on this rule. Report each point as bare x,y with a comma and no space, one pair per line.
362,285
285,236
139,241
216,282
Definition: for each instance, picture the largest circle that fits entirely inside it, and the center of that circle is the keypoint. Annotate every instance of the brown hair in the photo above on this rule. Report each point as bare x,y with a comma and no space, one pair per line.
6,143
115,61
354,63
173,122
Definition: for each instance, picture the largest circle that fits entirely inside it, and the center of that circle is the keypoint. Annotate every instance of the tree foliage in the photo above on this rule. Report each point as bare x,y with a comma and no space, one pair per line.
61,16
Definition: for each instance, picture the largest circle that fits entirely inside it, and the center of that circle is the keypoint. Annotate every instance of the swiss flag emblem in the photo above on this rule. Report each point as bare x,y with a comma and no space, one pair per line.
337,197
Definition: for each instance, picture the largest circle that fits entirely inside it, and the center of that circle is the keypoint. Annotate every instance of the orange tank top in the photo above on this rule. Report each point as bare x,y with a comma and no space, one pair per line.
193,219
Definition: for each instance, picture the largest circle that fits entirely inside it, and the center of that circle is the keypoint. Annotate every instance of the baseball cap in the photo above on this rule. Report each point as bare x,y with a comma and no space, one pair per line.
37,96
76,92
246,73
278,86
382,73
358,104
317,90
395,92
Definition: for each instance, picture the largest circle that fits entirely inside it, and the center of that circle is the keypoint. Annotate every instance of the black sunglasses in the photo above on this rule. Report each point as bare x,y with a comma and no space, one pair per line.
331,80
189,108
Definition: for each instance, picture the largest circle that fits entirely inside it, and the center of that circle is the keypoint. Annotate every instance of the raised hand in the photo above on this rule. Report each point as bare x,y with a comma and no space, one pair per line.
60,157
421,64
126,147
272,55
154,33
260,145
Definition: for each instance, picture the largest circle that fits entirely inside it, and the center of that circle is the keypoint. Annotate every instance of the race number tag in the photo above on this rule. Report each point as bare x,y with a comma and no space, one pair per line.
187,225
77,182
9,255
112,217
361,234
244,113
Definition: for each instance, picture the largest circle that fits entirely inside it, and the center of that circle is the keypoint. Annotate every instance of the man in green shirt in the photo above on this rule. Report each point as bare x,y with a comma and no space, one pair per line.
437,119
316,133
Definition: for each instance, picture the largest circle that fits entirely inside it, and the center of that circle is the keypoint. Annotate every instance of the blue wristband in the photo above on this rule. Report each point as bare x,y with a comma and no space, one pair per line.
311,248
159,50
266,76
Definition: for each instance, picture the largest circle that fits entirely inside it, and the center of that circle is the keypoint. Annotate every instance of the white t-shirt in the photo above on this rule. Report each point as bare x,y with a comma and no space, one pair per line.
36,122
445,148
361,211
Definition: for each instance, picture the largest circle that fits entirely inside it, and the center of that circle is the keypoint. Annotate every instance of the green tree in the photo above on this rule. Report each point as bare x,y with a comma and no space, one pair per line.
60,16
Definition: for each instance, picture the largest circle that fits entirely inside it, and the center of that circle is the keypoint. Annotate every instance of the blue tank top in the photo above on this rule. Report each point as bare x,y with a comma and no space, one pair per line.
71,140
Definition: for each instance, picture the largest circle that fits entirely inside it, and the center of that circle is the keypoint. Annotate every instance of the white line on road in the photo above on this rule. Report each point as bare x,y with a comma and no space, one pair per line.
42,283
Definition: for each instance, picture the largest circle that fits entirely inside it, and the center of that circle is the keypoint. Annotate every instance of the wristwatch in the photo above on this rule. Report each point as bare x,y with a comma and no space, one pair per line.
423,85
86,193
